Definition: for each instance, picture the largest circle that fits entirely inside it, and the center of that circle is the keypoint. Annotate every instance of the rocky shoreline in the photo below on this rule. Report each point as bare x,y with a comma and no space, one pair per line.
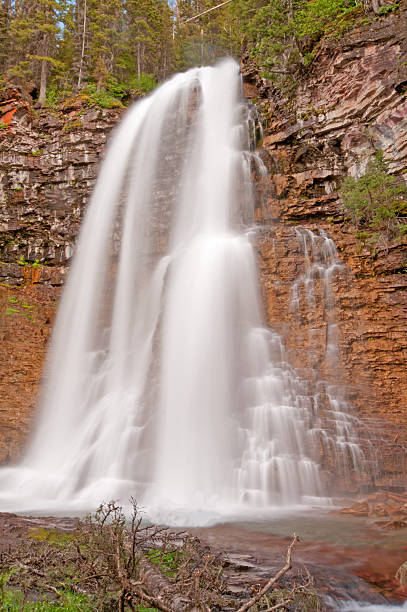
252,556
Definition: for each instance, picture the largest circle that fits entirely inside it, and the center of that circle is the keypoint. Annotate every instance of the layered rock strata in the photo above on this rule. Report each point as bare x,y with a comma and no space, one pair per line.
48,166
352,104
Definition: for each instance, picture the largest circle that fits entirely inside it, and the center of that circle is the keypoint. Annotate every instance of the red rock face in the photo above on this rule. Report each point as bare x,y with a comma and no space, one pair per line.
26,316
48,165
351,105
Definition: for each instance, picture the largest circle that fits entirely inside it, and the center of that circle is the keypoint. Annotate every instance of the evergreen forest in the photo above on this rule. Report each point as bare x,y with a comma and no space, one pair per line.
113,50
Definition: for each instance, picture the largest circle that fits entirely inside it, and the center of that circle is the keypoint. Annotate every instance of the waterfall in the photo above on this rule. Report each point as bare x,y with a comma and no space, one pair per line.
162,381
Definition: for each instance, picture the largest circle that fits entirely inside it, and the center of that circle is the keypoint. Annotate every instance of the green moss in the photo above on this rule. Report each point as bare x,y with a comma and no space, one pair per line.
167,561
35,153
12,600
68,127
11,311
22,262
20,308
51,536
390,8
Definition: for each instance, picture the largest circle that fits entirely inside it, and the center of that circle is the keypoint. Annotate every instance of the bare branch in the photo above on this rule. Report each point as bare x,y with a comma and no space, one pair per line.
204,12
272,580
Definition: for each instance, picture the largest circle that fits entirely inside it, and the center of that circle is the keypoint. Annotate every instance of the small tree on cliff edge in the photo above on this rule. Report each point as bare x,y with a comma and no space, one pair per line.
33,32
376,203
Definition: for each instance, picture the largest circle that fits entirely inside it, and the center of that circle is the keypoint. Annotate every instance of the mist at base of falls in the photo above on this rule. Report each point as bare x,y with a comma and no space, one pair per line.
357,606
162,381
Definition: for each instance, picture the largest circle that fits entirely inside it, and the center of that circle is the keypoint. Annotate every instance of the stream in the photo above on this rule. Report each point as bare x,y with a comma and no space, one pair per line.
352,562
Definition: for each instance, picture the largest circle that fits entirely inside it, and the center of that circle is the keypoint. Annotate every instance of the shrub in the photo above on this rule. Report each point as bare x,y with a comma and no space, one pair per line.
316,16
376,203
101,97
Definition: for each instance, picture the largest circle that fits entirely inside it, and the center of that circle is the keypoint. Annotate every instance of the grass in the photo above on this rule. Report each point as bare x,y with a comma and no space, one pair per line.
50,536
20,308
13,601
167,561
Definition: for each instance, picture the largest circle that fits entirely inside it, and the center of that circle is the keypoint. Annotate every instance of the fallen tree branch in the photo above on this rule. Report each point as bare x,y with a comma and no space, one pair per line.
280,605
128,567
272,580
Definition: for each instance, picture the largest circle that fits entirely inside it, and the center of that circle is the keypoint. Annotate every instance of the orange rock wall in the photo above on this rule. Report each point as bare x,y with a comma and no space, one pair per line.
351,104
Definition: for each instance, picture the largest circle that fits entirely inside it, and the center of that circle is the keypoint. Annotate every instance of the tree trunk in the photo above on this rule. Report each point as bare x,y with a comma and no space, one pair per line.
83,46
43,83
290,9
376,6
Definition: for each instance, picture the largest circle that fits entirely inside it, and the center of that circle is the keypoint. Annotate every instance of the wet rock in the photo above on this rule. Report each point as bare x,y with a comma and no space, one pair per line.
48,166
351,104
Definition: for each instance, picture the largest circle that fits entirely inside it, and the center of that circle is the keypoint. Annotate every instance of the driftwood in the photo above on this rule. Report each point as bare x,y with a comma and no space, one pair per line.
272,581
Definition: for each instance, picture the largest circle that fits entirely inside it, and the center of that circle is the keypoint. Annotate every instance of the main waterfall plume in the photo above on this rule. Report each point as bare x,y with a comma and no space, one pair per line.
162,381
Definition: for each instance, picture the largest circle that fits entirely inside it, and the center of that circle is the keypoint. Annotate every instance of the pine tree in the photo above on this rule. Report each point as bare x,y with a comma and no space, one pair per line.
147,40
105,24
33,32
204,37
5,40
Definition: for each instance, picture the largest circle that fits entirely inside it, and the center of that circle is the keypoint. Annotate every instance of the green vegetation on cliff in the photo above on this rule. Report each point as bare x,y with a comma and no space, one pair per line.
282,35
376,203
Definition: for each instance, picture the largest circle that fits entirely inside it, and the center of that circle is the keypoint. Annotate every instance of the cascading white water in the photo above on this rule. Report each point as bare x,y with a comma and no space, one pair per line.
162,381
338,429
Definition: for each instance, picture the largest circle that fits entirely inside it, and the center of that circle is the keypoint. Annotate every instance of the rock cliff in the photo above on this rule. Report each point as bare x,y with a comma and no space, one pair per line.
48,166
352,103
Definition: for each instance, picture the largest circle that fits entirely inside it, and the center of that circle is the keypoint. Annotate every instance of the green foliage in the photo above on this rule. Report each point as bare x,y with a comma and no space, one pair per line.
13,600
22,262
168,561
208,38
4,578
282,35
316,17
115,93
33,30
101,97
20,308
53,97
376,204
390,8
271,31
144,84
10,311
51,536
104,45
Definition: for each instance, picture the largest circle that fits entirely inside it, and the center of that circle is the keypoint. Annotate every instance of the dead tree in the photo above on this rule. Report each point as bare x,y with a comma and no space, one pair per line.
132,564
